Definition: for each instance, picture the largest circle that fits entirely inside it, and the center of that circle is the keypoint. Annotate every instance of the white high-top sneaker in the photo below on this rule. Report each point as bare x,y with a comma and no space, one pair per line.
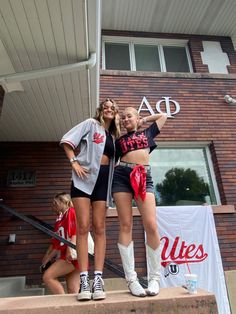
127,257
154,268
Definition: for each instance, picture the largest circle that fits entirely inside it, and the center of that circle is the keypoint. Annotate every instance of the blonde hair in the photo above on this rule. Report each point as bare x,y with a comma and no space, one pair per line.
115,124
135,111
63,198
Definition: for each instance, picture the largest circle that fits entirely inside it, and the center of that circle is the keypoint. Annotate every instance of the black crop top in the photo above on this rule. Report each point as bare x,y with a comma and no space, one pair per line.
137,140
109,150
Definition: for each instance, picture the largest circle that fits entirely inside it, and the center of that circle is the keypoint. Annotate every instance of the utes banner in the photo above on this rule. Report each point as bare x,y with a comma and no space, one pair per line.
190,244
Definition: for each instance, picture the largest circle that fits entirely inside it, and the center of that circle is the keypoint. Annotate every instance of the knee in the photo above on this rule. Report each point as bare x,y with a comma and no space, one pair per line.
99,229
83,229
46,277
151,228
126,227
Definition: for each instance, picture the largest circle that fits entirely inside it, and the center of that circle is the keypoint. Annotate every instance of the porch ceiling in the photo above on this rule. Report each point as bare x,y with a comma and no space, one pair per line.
201,17
42,34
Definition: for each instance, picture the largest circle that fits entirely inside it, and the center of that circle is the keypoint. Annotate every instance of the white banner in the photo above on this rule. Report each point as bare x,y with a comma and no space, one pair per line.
190,244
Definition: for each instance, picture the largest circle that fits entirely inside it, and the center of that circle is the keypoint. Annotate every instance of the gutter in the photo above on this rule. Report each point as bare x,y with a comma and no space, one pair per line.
35,74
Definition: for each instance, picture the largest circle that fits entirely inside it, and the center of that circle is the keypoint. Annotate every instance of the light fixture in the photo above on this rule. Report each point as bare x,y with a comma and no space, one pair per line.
230,100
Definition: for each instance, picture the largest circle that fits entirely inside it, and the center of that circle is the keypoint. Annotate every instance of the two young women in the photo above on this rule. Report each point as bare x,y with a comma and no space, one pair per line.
92,170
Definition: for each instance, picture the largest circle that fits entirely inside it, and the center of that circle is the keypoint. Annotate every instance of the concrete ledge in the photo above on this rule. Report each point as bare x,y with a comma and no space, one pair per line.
169,301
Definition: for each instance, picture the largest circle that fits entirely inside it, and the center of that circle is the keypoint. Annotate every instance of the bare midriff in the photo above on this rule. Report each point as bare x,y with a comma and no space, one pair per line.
140,156
105,160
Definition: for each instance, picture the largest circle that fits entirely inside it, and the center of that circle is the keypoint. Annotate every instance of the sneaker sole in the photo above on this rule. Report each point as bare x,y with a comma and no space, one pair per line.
84,297
99,297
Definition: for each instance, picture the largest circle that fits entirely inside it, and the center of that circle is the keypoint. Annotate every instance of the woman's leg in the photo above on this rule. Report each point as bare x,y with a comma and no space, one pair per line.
99,235
58,269
82,209
72,281
123,202
153,248
147,210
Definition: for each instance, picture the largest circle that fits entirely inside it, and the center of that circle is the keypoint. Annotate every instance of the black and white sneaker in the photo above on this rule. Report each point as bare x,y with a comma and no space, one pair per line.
84,291
98,292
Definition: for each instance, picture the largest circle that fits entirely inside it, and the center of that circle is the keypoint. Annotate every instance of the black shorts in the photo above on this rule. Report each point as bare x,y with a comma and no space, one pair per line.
100,189
121,180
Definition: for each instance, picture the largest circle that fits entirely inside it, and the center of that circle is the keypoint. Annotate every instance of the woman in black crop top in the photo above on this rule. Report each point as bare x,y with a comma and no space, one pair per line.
132,178
109,150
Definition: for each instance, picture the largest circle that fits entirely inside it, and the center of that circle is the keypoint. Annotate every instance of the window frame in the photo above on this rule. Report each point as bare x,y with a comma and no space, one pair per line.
159,42
200,145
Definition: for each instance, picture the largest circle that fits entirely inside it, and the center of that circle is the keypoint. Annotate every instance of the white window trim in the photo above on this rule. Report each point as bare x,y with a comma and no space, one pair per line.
204,145
159,42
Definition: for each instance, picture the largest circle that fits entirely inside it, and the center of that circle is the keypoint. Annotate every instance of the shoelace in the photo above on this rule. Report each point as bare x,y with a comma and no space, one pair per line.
84,283
98,283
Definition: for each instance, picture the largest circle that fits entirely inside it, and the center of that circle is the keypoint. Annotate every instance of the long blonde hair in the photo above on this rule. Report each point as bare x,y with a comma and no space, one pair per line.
115,124
62,198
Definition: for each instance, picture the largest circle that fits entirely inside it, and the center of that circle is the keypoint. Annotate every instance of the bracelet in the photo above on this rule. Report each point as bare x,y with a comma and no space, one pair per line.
73,159
145,120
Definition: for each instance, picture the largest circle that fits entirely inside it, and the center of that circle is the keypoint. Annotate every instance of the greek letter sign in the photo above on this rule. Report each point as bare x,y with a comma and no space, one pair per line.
165,105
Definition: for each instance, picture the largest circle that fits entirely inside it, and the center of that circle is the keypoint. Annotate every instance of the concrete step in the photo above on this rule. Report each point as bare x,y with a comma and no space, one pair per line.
31,292
15,286
10,286
169,301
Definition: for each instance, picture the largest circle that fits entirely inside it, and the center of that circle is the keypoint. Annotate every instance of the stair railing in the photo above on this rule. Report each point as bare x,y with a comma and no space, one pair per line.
47,229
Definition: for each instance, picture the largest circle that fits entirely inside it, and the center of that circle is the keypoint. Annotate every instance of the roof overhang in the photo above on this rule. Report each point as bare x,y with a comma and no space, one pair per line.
49,69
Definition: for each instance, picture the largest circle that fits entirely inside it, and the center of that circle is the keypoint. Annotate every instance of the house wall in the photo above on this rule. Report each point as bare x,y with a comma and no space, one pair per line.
203,116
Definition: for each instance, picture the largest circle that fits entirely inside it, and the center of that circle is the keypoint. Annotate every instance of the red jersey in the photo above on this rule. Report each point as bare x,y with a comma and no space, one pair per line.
65,227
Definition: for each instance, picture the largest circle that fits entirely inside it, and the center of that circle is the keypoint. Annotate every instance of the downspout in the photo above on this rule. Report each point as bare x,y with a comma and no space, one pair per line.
98,38
35,74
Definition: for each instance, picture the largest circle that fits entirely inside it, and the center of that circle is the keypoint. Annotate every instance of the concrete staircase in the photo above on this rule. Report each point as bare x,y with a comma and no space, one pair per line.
15,287
169,301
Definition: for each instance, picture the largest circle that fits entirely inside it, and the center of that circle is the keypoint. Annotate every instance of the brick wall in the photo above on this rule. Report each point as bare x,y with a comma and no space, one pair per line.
204,116
52,176
194,44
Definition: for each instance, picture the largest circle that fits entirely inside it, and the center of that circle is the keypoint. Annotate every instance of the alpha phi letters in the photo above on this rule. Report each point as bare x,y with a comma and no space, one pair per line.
167,101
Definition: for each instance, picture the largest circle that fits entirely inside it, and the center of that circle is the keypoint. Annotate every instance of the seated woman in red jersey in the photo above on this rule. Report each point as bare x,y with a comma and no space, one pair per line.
66,265
132,179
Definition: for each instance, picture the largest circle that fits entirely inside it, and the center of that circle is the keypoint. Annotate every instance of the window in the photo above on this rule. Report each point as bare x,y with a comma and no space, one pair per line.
118,56
147,58
183,176
142,54
176,59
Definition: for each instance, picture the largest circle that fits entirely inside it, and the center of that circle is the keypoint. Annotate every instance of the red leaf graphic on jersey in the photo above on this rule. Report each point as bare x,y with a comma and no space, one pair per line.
98,138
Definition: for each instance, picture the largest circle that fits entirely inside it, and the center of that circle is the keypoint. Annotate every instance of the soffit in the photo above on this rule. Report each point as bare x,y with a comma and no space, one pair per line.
42,34
201,17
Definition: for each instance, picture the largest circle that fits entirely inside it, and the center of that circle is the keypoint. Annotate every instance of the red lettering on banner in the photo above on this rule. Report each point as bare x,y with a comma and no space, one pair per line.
185,254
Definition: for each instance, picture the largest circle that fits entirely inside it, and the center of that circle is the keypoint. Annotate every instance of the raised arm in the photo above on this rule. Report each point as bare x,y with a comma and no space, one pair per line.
159,118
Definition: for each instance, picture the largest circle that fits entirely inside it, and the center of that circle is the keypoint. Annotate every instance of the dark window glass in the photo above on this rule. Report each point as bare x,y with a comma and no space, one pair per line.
117,56
147,58
176,59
